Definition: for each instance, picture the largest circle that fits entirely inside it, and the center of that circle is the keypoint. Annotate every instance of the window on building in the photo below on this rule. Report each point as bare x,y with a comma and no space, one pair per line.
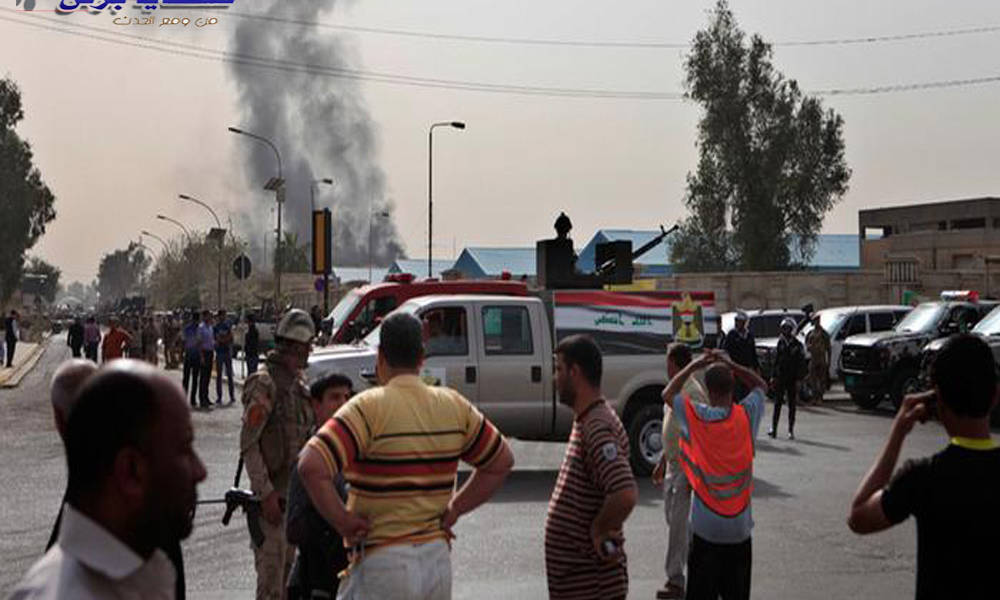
978,223
507,330
877,233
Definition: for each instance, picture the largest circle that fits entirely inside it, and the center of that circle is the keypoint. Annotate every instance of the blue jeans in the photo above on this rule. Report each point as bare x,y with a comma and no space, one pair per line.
224,360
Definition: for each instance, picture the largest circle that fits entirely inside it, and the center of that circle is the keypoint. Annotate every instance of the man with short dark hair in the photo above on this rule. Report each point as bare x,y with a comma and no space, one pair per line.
192,359
320,549
741,346
398,446
717,448
669,473
223,332
949,493
206,350
133,474
595,493
74,337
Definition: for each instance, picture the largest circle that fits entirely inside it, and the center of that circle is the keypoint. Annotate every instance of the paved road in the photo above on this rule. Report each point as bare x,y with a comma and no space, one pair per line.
802,549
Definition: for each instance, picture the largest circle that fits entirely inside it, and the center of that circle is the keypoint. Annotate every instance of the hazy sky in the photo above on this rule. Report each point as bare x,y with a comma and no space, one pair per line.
118,131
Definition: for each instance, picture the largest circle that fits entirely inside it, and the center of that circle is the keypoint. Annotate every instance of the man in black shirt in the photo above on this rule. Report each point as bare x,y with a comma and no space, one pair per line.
741,346
251,346
321,553
789,367
951,493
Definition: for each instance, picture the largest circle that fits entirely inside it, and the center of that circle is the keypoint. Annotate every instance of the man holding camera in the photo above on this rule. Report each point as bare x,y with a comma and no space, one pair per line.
949,492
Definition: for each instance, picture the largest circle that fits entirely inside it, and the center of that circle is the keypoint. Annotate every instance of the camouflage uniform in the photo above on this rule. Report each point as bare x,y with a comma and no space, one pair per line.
277,419
818,344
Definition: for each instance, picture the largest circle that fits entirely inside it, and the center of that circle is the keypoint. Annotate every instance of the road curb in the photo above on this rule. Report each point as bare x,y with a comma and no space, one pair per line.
25,367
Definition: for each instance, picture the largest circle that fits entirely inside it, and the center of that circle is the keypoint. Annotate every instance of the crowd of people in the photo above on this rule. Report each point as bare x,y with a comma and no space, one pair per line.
358,492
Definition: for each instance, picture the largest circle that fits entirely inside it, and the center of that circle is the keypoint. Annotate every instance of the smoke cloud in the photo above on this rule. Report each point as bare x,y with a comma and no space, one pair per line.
321,127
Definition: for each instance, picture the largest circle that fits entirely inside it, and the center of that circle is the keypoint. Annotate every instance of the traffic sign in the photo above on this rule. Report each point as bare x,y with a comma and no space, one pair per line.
241,266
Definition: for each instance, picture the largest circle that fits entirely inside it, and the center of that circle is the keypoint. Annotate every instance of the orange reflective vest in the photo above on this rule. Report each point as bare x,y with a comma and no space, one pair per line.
717,457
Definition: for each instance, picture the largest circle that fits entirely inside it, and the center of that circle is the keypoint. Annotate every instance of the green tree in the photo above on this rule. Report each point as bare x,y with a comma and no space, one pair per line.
44,277
294,256
771,159
26,203
120,273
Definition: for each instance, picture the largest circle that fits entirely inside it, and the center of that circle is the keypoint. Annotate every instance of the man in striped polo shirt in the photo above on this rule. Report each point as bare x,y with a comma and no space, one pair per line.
595,492
398,446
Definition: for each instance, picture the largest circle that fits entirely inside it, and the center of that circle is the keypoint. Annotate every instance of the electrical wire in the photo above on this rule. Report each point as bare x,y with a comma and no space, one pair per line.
194,51
606,44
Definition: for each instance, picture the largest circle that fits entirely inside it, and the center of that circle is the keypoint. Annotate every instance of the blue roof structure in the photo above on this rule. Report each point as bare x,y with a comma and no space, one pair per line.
654,262
418,266
834,251
484,263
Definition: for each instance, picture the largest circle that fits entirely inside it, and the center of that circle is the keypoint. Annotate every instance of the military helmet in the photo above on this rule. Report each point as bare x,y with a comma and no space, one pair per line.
296,325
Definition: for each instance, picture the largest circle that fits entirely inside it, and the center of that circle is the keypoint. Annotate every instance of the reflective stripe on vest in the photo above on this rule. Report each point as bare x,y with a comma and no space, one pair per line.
717,457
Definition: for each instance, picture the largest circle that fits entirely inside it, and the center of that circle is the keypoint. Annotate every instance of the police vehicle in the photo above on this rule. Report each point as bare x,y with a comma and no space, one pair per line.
988,329
883,365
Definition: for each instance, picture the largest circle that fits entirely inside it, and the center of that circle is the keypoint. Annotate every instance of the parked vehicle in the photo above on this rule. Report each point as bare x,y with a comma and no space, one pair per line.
887,364
498,352
361,309
845,321
988,329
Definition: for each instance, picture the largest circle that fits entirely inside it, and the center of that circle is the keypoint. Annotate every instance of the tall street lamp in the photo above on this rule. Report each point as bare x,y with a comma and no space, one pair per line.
166,247
384,214
187,233
430,189
217,234
277,185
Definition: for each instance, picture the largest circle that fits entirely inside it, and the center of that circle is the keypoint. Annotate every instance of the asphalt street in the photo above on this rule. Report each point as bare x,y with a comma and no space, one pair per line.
801,545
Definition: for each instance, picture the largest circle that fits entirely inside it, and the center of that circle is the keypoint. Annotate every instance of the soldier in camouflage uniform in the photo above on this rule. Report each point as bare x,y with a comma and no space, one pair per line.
818,346
277,419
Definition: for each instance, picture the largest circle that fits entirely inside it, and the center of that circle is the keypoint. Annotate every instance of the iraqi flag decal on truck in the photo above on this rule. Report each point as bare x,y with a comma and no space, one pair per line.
636,322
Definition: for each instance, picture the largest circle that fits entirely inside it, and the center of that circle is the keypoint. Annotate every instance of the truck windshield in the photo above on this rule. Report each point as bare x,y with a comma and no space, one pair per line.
372,339
344,309
924,317
990,325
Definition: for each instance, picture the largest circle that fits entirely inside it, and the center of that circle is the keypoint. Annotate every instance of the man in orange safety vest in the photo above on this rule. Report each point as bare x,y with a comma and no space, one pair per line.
717,448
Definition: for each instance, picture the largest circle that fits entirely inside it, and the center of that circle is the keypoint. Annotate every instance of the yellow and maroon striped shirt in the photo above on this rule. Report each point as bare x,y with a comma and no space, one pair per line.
399,446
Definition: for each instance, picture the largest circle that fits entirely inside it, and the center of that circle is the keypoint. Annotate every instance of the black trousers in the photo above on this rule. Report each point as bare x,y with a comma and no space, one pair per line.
192,370
75,350
205,376
90,351
785,391
719,570
11,344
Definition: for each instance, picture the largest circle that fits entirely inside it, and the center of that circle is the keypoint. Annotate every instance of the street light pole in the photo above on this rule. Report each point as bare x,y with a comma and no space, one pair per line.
187,233
279,198
430,189
218,224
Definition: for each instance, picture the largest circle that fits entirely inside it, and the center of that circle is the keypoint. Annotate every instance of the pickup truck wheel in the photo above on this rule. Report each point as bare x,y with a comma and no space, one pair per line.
645,431
865,401
906,382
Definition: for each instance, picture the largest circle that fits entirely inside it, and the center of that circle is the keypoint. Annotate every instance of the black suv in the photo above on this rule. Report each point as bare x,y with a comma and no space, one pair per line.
989,330
887,364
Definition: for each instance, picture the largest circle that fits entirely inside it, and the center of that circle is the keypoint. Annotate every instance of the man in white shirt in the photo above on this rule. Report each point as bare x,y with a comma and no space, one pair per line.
132,478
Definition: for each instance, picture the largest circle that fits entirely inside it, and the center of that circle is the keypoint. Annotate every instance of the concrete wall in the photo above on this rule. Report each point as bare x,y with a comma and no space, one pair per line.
793,289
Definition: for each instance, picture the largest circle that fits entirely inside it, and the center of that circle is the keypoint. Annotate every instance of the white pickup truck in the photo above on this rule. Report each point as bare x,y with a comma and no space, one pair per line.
498,352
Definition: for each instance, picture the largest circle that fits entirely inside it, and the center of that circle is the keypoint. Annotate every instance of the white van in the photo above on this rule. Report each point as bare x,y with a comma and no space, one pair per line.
844,321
